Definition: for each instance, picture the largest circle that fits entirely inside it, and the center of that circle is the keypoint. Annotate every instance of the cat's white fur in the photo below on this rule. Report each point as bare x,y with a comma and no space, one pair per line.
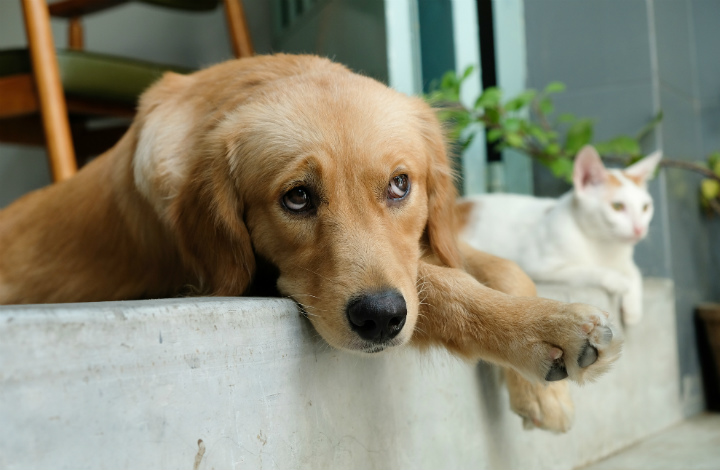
583,238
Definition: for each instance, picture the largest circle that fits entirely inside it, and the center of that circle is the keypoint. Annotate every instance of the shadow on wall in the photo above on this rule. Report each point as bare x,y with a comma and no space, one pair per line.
22,169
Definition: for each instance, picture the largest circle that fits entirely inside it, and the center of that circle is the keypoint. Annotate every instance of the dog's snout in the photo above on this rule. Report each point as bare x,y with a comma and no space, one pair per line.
377,316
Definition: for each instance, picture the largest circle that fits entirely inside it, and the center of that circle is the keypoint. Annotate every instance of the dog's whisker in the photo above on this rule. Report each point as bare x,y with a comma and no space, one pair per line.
309,295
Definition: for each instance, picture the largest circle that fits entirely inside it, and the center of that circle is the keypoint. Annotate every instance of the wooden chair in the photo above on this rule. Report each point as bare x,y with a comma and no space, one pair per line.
48,96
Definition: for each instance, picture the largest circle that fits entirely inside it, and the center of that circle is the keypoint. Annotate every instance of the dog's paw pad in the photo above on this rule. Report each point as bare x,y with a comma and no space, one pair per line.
606,336
588,356
557,371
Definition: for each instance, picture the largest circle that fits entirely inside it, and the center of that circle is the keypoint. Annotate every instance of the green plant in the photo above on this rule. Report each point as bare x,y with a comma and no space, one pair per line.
528,123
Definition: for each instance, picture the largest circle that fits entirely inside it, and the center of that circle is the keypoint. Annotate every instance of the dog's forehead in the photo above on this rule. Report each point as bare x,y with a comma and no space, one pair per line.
342,116
340,109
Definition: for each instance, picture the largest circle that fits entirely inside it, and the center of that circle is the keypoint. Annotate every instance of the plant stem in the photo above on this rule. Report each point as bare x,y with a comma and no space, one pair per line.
715,205
691,167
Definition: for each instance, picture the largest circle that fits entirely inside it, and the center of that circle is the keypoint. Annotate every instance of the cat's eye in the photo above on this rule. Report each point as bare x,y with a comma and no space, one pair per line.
618,206
398,187
646,207
297,200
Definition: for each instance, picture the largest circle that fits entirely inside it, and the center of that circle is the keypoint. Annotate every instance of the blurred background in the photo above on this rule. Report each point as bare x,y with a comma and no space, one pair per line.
622,63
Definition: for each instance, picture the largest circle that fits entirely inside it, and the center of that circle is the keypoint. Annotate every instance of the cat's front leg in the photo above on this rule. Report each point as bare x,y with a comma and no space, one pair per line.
612,281
632,300
542,339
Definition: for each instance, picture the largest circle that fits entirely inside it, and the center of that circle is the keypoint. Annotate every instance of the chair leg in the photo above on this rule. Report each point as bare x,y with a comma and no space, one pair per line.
238,29
49,89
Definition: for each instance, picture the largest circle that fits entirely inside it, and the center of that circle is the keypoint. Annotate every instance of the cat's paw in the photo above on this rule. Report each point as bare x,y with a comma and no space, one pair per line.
615,283
544,406
632,309
572,340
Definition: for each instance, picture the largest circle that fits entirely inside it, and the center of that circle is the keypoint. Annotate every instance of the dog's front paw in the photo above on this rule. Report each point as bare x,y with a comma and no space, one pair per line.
572,340
544,406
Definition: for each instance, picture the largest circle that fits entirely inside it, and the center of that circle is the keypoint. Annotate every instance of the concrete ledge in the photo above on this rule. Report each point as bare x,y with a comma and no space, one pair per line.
138,384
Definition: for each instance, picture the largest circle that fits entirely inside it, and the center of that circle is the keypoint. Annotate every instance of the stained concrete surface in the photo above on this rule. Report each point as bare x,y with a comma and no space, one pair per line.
691,445
247,383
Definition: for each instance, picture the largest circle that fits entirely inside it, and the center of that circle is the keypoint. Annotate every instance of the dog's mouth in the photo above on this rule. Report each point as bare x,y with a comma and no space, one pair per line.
357,344
367,347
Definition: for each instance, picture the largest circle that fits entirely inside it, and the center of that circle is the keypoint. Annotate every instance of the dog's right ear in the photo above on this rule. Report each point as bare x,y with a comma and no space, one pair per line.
212,238
189,189
441,224
167,135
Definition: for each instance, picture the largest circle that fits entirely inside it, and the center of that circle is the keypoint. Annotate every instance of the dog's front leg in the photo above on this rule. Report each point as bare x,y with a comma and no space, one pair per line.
540,404
542,339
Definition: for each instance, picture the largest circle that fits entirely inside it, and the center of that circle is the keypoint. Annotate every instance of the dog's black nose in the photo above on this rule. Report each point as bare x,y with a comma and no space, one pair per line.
377,316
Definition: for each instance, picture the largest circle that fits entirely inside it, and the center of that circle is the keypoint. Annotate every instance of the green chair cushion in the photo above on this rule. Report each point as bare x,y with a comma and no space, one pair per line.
91,75
193,5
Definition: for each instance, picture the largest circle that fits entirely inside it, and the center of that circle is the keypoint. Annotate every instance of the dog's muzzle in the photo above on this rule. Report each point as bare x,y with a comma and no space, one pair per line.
377,316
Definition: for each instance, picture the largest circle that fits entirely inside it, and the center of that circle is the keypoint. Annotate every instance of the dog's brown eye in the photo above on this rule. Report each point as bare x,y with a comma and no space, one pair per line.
398,187
297,199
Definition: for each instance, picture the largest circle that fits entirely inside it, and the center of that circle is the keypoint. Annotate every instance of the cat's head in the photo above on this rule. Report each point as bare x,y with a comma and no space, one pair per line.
613,204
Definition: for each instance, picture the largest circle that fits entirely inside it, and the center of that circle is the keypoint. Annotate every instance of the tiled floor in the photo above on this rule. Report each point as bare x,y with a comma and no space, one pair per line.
691,445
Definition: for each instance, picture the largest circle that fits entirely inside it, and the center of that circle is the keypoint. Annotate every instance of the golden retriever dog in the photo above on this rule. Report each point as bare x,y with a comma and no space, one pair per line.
291,172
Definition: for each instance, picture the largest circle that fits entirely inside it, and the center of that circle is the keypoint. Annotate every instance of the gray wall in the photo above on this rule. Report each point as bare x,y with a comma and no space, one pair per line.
350,31
623,61
133,30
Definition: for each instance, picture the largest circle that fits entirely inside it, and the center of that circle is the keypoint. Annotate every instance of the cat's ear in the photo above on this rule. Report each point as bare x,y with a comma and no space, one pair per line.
644,169
588,169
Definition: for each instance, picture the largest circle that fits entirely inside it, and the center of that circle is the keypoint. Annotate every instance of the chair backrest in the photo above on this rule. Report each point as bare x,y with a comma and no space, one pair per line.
74,9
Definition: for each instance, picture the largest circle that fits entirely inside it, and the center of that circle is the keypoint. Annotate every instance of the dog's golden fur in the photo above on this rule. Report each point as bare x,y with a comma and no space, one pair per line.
191,197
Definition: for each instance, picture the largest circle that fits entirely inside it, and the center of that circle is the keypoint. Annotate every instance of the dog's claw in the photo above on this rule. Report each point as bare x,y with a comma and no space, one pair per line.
607,335
557,371
588,355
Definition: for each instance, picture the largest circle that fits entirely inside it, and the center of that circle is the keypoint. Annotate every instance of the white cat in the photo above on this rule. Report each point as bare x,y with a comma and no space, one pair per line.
586,237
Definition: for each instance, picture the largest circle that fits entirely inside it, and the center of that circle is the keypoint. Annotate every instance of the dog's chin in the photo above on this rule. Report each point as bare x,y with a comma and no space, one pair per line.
364,347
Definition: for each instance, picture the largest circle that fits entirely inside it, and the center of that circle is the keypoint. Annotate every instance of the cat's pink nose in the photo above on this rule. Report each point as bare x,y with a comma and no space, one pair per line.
638,231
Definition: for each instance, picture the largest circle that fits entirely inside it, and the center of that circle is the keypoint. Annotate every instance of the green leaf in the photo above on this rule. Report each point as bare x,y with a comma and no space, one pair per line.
493,135
514,139
621,145
650,126
450,116
521,100
554,87
468,71
492,116
546,106
553,149
716,166
490,98
511,124
579,134
566,118
713,159
539,134
710,189
450,86
562,168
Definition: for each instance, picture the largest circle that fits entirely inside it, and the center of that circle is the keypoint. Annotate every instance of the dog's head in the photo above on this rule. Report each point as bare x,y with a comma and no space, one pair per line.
337,180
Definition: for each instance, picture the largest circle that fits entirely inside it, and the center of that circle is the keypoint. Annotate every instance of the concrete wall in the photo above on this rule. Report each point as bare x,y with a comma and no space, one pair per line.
622,62
247,383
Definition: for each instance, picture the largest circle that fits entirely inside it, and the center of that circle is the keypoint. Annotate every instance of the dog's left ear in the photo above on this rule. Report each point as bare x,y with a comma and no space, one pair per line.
441,224
212,237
